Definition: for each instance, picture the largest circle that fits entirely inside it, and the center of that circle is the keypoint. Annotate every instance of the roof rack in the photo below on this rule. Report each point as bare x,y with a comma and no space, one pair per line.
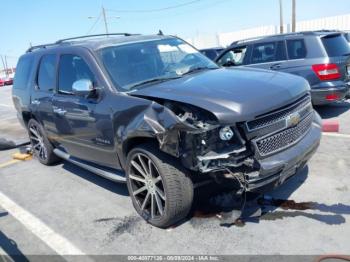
32,48
284,34
88,36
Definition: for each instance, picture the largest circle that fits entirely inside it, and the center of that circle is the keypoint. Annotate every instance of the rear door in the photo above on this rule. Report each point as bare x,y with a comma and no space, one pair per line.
83,122
44,86
268,55
300,58
21,89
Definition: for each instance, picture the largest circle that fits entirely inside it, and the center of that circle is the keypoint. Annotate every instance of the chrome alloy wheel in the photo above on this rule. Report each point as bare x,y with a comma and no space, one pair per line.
147,186
37,142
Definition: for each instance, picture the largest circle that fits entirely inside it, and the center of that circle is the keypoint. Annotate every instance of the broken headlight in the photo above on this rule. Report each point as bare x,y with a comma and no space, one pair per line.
226,133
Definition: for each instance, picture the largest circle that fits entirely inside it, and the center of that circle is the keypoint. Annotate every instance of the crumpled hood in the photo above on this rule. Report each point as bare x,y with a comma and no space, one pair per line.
232,95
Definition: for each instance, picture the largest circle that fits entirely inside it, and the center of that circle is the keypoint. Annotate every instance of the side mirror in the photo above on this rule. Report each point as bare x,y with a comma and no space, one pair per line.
82,87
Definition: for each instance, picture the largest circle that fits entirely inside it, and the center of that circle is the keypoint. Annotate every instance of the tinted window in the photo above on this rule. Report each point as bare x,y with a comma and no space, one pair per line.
22,74
210,53
233,57
296,49
268,52
281,51
47,73
72,68
336,45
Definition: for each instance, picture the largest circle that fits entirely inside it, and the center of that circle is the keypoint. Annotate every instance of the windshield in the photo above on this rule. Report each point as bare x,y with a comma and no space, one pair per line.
131,66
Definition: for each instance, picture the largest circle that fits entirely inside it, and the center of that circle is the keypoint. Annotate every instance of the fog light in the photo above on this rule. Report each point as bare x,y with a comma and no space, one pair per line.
226,133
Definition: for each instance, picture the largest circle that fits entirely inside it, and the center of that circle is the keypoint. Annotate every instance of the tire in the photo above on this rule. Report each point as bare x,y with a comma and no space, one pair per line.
172,186
41,146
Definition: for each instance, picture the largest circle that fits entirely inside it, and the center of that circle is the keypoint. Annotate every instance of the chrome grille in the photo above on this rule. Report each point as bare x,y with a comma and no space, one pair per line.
276,120
276,131
273,143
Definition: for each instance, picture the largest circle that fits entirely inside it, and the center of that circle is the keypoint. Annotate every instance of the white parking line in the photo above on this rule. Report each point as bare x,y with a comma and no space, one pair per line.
4,105
335,134
59,244
2,252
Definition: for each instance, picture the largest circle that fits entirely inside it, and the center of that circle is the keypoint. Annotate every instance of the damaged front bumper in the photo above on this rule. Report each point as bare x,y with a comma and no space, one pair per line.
263,173
276,169
250,157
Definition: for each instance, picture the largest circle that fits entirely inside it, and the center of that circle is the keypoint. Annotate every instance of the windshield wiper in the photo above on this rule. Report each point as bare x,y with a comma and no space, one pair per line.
152,80
196,69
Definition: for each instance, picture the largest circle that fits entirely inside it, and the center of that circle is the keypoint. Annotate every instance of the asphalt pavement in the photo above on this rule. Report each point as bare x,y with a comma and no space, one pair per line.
64,209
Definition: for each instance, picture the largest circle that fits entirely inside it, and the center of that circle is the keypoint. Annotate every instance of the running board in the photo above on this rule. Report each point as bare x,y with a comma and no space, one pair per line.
115,177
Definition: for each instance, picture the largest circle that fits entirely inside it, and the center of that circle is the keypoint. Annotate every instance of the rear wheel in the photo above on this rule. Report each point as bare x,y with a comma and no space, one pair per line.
160,189
41,146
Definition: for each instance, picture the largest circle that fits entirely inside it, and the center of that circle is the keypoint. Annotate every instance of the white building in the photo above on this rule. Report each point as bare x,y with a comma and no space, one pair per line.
341,22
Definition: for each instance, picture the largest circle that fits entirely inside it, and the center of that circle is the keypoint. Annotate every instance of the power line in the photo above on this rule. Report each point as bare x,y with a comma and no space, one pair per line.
10,56
93,26
208,5
154,10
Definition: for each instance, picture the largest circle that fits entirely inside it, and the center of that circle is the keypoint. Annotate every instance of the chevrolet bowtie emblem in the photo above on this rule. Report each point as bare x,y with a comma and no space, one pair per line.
293,119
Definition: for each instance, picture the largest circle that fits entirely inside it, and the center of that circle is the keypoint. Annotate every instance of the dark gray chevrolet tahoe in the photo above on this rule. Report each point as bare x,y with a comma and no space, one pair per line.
153,112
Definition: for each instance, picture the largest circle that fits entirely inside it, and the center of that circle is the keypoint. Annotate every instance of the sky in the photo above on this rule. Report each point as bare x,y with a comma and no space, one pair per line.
25,22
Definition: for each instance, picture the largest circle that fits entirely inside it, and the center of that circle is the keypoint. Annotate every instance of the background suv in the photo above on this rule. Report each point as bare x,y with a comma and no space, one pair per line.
212,53
321,57
153,112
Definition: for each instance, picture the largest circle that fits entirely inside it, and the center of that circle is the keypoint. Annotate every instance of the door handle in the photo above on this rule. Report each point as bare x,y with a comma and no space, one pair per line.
59,111
35,102
275,66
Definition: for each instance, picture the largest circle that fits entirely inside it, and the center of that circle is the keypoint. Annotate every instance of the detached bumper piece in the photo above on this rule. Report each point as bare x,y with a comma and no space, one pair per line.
215,161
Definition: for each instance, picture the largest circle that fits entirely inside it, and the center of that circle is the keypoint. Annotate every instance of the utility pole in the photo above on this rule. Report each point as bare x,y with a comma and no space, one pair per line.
3,63
6,69
281,17
105,19
293,15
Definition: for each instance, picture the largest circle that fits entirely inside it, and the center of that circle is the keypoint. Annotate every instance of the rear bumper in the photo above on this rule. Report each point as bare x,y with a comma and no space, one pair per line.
319,95
276,169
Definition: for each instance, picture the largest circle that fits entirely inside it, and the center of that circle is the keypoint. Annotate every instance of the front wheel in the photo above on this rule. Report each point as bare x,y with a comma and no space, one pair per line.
160,189
41,146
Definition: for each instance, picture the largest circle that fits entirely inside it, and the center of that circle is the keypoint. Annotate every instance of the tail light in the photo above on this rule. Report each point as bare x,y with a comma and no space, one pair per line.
327,71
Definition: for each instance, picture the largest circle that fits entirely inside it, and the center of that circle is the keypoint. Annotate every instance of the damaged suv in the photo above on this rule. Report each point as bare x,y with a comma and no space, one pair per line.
153,112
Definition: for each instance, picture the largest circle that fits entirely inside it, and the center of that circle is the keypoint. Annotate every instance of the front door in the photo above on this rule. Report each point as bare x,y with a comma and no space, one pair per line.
268,55
84,128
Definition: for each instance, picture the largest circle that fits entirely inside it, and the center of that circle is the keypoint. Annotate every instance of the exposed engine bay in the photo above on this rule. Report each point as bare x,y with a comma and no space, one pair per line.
195,136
